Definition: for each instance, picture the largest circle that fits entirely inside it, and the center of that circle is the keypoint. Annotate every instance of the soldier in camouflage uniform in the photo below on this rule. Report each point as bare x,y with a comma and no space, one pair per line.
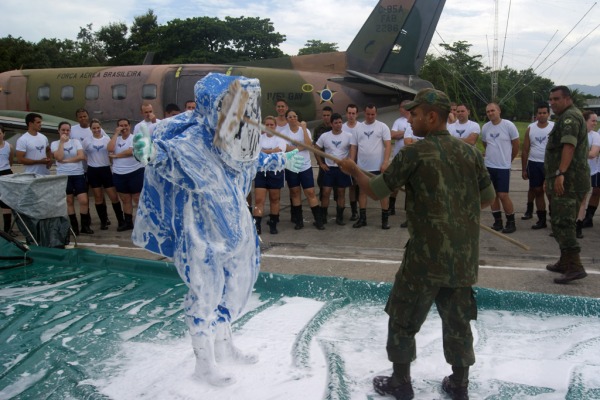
567,181
446,184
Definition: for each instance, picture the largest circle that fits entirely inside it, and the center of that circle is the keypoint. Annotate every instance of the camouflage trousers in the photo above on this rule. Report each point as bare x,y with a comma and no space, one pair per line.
563,215
408,306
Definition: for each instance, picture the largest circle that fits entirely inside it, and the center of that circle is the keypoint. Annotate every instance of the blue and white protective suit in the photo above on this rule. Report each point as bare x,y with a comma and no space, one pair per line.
193,204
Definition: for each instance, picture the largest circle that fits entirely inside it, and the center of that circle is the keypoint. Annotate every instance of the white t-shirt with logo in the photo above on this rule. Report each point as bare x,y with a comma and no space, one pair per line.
35,149
335,145
370,142
498,139
298,136
70,149
538,139
463,131
96,151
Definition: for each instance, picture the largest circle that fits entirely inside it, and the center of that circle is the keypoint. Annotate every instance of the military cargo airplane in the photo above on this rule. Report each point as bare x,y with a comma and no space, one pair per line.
380,66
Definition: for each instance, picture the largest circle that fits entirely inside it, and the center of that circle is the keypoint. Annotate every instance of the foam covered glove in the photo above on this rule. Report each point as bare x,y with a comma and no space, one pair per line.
143,148
293,161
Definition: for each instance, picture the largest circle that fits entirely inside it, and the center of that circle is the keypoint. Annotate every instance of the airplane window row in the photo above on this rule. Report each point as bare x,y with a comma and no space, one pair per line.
92,92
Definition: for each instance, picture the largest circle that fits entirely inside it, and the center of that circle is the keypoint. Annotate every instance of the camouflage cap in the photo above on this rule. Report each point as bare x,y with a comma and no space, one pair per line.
430,97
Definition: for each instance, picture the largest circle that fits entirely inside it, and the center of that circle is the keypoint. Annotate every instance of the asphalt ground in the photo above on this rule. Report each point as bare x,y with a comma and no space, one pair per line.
371,253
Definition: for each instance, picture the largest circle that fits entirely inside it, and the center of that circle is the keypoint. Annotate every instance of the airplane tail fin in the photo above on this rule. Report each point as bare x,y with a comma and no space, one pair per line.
395,37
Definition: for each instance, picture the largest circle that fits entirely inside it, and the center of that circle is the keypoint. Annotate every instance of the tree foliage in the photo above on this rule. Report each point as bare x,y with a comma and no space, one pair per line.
191,40
316,47
465,79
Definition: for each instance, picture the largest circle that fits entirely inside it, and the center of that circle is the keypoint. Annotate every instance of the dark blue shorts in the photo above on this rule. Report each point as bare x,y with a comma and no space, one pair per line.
100,177
500,179
595,180
76,184
269,180
535,171
304,179
336,178
130,183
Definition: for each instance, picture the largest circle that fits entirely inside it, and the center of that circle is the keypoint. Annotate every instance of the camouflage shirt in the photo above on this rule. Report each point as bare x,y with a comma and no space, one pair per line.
445,181
569,128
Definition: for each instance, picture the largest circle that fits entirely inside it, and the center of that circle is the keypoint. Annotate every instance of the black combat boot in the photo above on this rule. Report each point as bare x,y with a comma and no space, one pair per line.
316,212
272,222
324,215
497,221
339,216
354,209
574,268
74,223
257,222
103,215
578,228
589,216
529,212
8,224
128,223
397,385
510,224
457,384
385,214
86,221
541,223
392,207
119,214
299,218
362,219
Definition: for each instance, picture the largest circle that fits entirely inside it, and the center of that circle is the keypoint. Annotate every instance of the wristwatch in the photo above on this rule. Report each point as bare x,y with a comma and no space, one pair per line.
558,173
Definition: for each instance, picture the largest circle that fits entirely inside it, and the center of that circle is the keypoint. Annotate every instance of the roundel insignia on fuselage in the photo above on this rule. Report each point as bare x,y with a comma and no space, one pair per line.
326,95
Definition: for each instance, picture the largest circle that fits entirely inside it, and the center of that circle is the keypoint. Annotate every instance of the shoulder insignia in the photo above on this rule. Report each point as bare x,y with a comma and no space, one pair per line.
568,121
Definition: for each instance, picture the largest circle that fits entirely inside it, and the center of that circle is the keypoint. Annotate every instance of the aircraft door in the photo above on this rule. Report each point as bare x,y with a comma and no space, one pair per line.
14,93
179,85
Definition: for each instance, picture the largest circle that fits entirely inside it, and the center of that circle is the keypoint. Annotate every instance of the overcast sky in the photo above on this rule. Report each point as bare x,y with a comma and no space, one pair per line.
535,28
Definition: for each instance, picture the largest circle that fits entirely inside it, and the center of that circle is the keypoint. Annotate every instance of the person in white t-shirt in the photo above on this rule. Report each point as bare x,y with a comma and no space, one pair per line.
128,173
269,182
69,157
400,127
463,128
305,178
532,163
591,119
149,120
6,160
371,148
281,107
32,147
99,174
353,126
500,139
336,143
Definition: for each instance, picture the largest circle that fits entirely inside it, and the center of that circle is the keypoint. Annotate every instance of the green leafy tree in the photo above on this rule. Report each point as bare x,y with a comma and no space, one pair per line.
16,53
316,47
90,48
116,43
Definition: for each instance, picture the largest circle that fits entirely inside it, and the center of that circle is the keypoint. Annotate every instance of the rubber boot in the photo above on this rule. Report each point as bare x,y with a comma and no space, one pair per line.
529,212
510,224
541,223
339,216
8,225
206,365
574,268
578,228
257,222
392,208
299,218
103,215
497,221
457,384
74,223
560,266
86,220
119,214
226,351
324,214
385,214
354,209
316,212
272,222
362,219
588,221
